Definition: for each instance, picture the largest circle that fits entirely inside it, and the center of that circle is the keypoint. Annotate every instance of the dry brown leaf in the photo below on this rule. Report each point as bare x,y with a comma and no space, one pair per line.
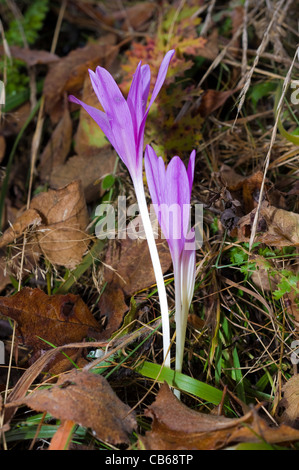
14,121
212,100
290,402
58,219
113,308
31,56
88,400
27,219
128,269
62,237
136,17
89,169
128,263
68,73
276,227
58,319
58,147
90,16
176,427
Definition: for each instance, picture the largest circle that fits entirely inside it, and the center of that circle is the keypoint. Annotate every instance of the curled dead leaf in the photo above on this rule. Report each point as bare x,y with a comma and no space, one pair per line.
290,402
68,73
61,236
128,269
57,319
31,56
276,227
59,219
176,427
29,218
96,405
58,147
88,169
212,100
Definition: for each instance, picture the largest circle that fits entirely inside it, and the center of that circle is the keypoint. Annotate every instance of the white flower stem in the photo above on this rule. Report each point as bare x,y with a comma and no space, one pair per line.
141,200
178,320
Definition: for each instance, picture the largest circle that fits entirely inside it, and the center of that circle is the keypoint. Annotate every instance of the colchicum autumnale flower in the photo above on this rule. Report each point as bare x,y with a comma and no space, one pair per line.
170,189
123,123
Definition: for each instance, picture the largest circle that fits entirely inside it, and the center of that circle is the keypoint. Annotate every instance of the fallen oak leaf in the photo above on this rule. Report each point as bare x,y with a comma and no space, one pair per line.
68,73
43,320
30,374
128,269
89,169
27,219
88,400
176,427
31,56
62,237
290,402
58,147
276,227
211,100
60,218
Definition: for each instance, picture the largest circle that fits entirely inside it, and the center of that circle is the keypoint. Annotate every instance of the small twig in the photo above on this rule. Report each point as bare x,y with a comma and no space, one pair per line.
260,50
267,160
208,19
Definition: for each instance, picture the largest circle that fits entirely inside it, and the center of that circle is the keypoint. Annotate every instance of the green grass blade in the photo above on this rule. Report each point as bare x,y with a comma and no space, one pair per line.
238,376
81,268
182,382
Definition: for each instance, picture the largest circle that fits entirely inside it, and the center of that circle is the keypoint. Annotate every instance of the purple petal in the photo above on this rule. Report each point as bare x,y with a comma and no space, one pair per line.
161,77
119,117
146,81
98,116
178,199
135,99
155,174
190,170
156,178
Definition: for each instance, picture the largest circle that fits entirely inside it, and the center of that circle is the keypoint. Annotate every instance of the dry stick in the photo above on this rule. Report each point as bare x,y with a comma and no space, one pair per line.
214,64
259,51
245,39
267,161
207,22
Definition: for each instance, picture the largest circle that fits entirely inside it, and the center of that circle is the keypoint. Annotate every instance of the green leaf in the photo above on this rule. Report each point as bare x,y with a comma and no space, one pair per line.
181,381
108,182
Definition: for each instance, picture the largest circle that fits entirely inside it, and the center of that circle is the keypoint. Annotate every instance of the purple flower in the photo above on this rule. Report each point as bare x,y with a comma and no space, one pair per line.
123,121
170,189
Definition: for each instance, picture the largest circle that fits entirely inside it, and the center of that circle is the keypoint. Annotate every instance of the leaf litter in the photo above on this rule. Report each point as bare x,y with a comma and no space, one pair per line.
117,286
